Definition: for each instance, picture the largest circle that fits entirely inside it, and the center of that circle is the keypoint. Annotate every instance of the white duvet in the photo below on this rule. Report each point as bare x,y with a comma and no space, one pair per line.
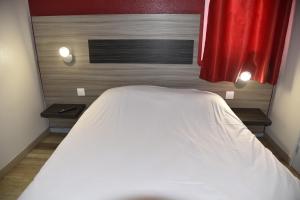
146,142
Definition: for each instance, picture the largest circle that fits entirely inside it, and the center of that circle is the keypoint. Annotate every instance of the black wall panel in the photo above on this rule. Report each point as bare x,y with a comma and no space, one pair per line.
141,51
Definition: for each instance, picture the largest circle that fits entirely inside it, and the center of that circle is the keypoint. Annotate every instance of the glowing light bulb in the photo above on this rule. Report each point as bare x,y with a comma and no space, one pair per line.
245,76
64,52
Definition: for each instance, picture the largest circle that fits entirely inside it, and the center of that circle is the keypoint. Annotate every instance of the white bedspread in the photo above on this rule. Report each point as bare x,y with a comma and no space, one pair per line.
146,142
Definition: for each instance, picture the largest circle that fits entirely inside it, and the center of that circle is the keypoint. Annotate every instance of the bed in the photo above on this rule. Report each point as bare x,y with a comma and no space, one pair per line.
148,142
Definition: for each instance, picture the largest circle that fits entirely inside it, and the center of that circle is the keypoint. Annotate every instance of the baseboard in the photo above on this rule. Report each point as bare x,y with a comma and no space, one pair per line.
22,155
278,151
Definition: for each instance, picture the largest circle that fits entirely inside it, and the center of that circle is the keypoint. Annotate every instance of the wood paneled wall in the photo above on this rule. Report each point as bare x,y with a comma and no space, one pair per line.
60,80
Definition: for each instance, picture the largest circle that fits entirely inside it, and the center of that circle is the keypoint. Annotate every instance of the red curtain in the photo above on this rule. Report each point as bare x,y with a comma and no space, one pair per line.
245,35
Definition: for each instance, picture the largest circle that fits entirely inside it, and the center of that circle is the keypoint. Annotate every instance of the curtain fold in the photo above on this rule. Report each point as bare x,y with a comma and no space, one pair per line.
245,35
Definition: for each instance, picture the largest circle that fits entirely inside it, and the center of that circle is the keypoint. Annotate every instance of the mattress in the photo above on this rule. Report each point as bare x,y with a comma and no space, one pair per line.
147,142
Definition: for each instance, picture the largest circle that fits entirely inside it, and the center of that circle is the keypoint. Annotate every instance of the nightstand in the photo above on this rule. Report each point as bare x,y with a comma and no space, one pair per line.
65,111
255,119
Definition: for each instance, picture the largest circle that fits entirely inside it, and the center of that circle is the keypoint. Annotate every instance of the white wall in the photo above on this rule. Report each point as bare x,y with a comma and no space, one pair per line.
285,108
21,99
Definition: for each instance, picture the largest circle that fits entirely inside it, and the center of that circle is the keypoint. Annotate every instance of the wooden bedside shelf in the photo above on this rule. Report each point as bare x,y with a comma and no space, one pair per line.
255,119
252,116
72,111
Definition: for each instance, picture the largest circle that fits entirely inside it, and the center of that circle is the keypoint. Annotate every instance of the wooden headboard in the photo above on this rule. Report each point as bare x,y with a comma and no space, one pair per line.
60,80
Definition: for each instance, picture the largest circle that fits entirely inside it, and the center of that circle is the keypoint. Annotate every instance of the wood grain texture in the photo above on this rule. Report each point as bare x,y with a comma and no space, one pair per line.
21,155
141,51
60,81
19,177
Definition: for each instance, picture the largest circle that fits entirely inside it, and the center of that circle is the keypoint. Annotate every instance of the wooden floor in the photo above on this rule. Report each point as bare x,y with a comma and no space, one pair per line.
12,185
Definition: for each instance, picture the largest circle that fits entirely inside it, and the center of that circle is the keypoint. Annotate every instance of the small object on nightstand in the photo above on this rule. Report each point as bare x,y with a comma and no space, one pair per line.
66,111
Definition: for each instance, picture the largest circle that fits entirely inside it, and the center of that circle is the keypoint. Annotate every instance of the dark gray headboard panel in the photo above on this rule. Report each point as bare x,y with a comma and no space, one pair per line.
141,51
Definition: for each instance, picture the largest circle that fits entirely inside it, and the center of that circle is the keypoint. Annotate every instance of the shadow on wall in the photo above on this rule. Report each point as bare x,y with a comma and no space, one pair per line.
289,71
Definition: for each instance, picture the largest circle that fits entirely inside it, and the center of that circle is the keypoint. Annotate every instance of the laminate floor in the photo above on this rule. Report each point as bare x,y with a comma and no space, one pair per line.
12,185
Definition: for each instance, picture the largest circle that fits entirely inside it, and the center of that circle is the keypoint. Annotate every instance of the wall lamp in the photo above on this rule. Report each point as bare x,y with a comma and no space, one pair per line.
245,76
65,53
246,70
242,79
